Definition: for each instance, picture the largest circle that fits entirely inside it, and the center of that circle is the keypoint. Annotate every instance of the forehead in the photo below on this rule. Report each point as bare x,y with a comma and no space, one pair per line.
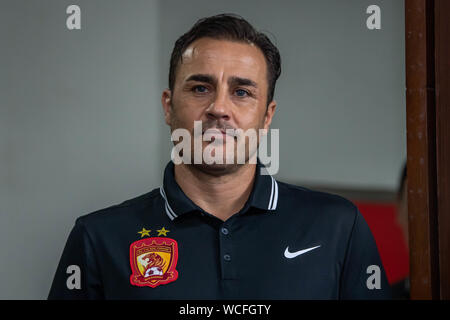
223,58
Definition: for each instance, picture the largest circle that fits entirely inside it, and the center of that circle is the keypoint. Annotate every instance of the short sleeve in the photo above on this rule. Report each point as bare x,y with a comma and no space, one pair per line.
77,276
363,276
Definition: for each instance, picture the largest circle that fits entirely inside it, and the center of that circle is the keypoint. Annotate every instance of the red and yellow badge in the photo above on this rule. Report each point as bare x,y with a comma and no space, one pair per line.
153,261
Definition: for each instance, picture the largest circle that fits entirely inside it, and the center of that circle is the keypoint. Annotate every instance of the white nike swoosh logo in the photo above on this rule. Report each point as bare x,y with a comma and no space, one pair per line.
291,255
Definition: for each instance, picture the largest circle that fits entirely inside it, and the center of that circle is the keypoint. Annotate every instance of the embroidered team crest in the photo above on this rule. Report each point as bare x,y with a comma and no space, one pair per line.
153,261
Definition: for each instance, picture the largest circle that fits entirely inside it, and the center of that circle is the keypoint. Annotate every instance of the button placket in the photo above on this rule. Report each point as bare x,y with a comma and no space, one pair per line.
226,252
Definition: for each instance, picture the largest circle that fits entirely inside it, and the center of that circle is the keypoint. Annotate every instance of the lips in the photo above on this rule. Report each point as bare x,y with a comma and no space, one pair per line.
223,132
216,133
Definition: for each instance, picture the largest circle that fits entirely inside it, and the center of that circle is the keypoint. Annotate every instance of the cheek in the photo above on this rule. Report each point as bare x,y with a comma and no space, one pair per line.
184,114
250,118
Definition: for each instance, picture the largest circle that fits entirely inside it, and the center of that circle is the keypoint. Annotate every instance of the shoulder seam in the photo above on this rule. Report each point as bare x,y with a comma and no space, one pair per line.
327,194
129,202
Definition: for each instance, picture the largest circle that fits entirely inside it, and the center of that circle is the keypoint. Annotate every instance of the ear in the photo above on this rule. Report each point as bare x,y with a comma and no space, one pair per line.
269,114
166,101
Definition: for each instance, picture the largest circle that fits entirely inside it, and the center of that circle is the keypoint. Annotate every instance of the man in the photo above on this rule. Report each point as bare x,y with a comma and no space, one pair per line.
222,230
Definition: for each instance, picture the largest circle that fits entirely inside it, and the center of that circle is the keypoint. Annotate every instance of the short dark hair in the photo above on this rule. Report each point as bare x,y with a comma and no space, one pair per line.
234,28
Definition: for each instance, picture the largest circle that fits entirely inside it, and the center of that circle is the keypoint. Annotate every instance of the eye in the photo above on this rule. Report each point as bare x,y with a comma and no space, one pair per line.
241,93
200,89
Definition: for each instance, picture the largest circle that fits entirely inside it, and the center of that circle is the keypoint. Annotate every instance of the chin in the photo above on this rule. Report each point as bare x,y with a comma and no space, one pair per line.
217,169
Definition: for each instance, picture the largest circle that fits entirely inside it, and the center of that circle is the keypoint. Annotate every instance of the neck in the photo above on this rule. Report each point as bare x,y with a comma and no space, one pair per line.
221,196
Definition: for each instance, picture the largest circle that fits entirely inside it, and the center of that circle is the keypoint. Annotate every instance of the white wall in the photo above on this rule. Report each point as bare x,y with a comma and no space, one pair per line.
81,121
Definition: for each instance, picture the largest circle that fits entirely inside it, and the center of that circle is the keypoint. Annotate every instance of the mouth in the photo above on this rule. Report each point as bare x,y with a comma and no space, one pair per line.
217,132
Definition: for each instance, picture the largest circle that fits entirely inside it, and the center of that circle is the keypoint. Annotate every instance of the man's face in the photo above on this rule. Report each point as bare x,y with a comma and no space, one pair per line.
224,85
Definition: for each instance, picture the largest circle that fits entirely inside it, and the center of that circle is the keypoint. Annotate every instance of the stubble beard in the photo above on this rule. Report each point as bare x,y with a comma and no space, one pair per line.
216,169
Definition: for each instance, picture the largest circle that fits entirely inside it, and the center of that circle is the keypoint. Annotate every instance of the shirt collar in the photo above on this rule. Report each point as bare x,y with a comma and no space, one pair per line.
264,195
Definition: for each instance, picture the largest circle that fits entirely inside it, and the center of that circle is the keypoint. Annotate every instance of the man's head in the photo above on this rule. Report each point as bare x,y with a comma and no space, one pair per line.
232,28
223,73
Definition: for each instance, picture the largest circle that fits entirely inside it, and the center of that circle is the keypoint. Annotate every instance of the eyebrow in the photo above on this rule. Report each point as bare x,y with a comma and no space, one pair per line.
202,78
237,81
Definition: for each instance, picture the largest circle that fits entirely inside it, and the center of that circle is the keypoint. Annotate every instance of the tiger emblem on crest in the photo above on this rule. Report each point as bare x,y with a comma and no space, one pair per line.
153,261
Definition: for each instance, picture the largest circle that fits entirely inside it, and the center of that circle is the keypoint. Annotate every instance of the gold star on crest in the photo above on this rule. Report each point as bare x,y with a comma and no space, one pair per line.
162,232
144,232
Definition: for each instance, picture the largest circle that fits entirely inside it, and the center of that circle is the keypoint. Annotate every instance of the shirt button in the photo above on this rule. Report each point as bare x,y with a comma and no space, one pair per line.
227,257
225,231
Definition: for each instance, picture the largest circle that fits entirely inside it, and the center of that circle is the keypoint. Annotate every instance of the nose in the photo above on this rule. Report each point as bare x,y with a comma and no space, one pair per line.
219,109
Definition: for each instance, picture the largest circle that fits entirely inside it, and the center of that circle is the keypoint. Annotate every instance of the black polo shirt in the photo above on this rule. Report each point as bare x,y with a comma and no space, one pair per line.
287,242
